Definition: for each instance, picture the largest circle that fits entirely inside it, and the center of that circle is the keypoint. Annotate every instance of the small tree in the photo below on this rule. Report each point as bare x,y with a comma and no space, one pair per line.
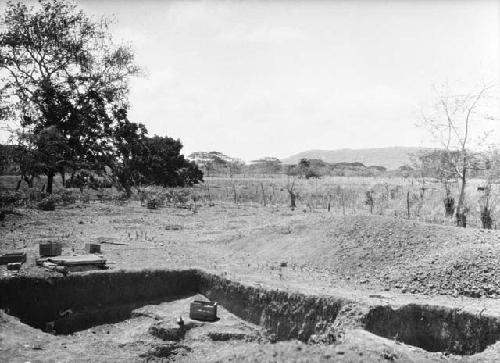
452,122
439,164
291,187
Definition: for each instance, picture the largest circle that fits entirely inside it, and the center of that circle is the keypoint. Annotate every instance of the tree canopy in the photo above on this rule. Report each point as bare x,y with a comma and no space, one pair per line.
66,84
62,75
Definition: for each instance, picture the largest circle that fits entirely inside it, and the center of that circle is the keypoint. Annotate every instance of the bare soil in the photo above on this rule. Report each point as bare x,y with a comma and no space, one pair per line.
367,259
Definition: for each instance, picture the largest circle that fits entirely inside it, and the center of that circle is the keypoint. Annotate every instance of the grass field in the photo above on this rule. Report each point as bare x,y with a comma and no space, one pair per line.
416,199
397,197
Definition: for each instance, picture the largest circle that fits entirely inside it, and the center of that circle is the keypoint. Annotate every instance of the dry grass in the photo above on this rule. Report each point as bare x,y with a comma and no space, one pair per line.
396,197
392,196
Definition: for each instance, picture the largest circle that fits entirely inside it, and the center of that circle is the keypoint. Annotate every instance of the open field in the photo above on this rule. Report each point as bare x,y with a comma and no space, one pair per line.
434,287
410,198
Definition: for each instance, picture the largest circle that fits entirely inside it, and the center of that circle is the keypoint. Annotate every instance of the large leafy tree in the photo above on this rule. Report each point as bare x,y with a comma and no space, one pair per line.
62,77
149,160
129,140
162,163
266,165
217,162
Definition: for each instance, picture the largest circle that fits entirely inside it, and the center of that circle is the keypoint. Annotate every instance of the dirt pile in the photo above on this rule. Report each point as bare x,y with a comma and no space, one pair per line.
384,252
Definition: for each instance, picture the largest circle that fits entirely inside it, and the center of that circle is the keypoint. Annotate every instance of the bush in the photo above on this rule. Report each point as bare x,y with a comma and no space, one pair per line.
85,197
152,204
67,197
369,200
449,206
47,204
312,174
486,219
11,198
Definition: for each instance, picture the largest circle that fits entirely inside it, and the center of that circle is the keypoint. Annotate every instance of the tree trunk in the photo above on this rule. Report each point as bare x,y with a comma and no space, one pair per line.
72,179
128,190
460,213
29,181
50,181
63,178
235,195
292,200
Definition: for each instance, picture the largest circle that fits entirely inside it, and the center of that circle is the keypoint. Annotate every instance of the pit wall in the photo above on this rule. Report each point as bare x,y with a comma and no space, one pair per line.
78,301
286,315
434,328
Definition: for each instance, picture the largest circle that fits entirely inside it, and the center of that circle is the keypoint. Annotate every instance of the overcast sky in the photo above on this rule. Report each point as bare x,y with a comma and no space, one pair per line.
272,78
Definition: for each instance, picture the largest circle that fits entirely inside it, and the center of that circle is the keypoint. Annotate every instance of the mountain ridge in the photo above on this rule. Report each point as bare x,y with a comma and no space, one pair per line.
390,157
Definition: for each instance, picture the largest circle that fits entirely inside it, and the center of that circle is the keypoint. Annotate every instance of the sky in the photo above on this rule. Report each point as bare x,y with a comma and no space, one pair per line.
272,78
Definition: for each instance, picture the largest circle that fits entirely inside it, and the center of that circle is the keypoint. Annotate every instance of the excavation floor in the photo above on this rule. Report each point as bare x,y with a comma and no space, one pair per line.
151,333
228,340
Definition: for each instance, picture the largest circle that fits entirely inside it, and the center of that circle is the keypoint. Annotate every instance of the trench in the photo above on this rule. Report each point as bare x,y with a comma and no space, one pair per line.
65,305
434,328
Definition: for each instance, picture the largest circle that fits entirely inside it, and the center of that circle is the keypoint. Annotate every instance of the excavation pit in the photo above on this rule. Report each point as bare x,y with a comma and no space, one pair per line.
64,305
140,311
435,328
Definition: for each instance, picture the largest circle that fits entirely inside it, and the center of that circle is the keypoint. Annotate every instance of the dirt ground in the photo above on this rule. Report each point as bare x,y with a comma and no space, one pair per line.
365,258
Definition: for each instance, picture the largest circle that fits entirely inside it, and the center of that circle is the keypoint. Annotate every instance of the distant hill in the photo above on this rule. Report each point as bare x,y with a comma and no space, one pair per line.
390,157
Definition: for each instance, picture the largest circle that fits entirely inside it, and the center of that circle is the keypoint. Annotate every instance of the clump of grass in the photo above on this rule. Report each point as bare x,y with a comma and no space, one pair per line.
47,204
152,203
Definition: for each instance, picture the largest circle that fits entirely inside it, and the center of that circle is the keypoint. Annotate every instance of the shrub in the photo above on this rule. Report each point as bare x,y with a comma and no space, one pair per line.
311,173
152,204
449,206
369,200
486,219
85,197
67,197
11,198
47,204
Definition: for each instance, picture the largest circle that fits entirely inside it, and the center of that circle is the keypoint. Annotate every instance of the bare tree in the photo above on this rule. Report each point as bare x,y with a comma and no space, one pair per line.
290,187
454,122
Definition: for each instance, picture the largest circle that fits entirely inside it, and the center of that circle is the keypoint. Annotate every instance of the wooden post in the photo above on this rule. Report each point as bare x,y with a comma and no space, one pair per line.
408,203
263,194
